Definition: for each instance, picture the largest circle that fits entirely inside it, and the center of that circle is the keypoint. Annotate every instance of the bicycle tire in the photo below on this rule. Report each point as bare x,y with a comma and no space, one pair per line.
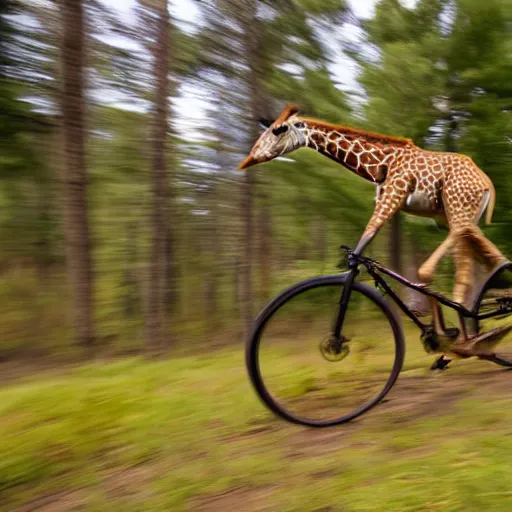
253,344
480,307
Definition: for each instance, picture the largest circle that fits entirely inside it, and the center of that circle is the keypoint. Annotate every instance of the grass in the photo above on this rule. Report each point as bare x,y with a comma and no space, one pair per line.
189,434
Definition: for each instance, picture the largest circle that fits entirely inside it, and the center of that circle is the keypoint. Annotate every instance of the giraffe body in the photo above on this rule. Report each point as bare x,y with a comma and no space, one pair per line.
447,187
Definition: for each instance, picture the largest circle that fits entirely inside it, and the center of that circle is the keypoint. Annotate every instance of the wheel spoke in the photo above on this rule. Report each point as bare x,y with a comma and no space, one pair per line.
304,374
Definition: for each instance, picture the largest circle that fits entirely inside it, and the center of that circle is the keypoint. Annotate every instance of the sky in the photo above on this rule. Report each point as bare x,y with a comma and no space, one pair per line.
186,10
190,107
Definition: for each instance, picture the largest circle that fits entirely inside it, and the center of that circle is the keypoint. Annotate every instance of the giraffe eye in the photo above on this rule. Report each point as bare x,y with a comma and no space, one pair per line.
280,129
299,125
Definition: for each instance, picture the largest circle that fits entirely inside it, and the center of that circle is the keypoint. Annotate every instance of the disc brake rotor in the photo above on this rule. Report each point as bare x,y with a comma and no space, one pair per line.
333,349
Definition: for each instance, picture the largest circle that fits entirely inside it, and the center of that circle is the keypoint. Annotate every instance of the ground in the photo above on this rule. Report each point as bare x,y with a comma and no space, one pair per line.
188,433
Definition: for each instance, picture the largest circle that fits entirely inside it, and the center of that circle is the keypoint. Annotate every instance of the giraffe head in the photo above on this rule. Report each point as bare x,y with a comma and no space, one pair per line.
282,136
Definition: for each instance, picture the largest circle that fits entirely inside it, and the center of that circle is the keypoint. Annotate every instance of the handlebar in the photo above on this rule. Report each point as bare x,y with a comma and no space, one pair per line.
354,259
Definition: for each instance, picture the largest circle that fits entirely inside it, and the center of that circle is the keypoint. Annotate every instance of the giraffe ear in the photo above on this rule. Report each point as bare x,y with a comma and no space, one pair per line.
288,111
266,123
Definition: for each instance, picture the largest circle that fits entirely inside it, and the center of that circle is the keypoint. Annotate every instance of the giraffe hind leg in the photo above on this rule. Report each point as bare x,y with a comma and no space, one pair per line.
426,271
472,246
486,251
425,274
470,243
464,266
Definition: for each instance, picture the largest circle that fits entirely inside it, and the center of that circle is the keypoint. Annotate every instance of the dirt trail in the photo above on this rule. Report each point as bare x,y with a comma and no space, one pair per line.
411,399
414,397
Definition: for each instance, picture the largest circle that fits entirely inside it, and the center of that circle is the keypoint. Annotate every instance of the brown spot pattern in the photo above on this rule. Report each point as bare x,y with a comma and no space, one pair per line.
452,184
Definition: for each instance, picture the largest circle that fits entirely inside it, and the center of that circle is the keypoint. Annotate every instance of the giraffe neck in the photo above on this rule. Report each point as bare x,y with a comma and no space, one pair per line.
369,155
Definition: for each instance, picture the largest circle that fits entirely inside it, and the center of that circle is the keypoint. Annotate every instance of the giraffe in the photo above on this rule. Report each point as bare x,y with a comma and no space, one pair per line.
447,187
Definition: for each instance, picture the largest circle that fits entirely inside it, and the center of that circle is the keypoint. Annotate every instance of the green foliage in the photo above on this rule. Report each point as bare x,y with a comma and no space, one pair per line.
176,435
189,432
441,79
401,89
480,91
392,23
323,8
438,72
186,51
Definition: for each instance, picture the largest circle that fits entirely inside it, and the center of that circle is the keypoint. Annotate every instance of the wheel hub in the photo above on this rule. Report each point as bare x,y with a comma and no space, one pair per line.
334,349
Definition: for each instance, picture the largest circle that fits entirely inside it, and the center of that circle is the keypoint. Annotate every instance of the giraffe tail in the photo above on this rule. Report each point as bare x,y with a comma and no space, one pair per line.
491,203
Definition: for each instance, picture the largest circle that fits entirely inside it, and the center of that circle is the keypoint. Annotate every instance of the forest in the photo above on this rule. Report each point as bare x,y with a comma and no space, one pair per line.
135,255
130,229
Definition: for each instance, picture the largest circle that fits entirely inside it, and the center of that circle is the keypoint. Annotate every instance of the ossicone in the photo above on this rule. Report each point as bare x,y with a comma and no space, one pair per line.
288,111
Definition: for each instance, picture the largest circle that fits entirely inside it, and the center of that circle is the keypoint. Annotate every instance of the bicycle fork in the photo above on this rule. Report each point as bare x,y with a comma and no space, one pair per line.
344,300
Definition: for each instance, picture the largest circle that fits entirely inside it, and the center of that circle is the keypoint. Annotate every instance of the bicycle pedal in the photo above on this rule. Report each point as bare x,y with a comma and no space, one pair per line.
441,363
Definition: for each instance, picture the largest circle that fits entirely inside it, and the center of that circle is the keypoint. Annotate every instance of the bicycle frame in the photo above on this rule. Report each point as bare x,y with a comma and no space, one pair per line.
375,269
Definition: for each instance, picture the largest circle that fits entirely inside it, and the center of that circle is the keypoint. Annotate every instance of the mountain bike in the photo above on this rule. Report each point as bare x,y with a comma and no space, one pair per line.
328,349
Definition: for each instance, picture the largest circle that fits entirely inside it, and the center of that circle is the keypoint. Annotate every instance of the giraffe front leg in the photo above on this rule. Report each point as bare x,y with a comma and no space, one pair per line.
369,233
389,202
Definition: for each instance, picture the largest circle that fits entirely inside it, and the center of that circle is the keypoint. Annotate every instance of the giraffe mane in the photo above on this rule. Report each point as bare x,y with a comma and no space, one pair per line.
370,136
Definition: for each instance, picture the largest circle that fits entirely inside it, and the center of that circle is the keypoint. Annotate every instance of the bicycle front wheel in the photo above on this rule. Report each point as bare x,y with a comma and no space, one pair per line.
301,381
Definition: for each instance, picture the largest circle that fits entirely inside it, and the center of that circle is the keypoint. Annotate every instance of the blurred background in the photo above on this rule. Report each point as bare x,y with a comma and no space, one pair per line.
127,231
124,224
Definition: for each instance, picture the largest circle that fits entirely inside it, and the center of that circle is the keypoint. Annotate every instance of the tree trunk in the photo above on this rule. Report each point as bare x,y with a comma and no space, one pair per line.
237,287
265,242
253,45
131,296
44,199
155,315
171,268
79,262
214,259
415,300
212,286
395,246
321,242
246,206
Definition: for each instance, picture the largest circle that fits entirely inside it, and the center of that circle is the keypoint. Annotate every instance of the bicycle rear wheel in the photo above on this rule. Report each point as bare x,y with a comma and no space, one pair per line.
495,300
290,368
